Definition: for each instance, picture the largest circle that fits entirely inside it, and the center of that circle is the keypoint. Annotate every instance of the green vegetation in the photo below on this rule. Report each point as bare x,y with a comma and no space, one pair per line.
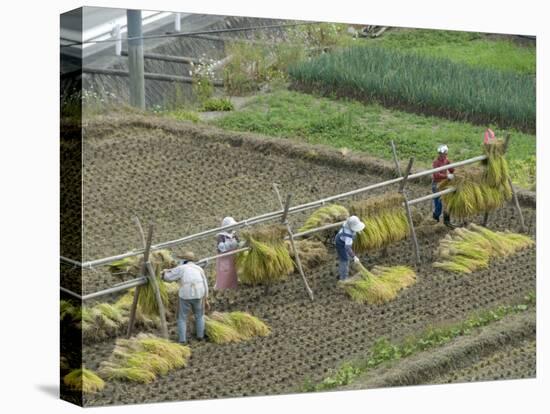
268,260
217,104
385,351
142,358
236,326
181,115
262,62
468,249
385,221
378,286
423,84
474,49
83,380
369,129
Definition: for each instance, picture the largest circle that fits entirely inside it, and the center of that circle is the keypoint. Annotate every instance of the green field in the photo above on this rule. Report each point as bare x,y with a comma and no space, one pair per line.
472,48
369,129
424,84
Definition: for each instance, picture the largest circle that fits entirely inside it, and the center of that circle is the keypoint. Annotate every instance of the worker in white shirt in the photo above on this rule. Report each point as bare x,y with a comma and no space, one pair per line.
344,241
193,293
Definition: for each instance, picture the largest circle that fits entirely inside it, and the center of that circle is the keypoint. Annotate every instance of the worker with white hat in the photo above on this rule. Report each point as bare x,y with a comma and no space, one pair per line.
344,241
437,177
226,271
193,293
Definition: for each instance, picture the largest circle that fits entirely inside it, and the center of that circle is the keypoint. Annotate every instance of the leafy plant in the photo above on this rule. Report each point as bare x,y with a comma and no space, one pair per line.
217,104
427,84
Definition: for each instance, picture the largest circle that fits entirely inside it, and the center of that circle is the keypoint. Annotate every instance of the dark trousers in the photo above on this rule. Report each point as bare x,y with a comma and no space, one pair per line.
438,205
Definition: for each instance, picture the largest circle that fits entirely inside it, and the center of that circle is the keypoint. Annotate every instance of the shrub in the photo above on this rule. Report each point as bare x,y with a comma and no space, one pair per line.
217,104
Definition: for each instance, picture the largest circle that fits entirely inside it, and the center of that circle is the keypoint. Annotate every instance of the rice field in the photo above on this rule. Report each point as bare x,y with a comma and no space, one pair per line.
423,84
298,339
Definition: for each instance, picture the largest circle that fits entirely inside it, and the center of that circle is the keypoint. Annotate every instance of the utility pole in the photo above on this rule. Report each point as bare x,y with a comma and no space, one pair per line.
135,59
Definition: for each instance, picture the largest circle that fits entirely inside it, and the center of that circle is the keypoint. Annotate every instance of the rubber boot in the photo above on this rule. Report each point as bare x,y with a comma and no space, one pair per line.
447,221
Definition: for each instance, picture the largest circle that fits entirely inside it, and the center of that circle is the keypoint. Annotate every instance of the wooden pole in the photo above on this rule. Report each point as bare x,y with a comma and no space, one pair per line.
407,206
395,160
291,238
154,283
518,207
514,194
147,246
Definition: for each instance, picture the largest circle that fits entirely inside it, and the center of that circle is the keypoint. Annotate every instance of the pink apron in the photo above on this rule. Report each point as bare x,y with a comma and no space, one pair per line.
226,271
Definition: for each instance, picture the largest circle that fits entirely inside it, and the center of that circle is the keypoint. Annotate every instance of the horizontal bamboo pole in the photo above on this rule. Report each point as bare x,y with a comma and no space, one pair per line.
275,214
432,196
143,280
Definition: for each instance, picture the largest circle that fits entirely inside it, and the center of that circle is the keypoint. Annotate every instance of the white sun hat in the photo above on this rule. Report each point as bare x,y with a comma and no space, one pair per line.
355,224
228,221
443,149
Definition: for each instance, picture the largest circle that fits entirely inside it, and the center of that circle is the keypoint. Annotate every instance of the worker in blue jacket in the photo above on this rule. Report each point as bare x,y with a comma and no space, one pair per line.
344,242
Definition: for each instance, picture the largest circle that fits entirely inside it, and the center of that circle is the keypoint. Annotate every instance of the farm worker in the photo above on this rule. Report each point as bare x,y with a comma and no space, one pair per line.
344,241
226,271
193,293
437,177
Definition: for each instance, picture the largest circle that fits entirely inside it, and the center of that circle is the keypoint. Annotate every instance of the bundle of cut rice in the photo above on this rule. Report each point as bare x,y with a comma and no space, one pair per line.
234,327
144,357
268,259
385,222
468,249
378,286
83,380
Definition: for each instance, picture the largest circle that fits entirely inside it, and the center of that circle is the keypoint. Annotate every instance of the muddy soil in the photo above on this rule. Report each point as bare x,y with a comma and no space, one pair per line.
185,185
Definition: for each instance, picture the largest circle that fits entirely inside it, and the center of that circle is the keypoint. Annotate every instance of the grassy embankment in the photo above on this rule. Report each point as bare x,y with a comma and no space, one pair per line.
369,128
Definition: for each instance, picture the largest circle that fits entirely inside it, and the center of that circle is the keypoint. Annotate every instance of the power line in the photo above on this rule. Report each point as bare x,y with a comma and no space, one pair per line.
203,32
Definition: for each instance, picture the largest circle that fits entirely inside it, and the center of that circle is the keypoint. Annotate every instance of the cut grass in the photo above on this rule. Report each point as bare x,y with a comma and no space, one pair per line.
474,49
385,222
143,358
422,84
160,260
369,128
329,214
466,250
104,320
312,252
384,351
268,260
83,380
378,286
235,326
